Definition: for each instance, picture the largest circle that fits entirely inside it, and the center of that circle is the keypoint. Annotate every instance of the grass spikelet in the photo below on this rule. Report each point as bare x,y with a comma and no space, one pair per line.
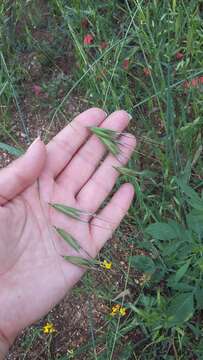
76,214
104,133
69,239
81,262
133,173
68,210
108,138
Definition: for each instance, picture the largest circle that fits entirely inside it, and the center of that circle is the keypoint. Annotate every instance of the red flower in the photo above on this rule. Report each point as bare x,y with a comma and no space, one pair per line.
146,71
85,23
126,63
37,90
179,56
194,83
88,39
103,45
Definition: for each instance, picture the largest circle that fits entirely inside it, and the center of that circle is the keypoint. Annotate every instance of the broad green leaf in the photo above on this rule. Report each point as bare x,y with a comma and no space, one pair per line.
199,298
169,249
179,273
147,300
178,229
180,286
162,231
195,221
180,309
11,150
68,238
143,263
193,197
158,274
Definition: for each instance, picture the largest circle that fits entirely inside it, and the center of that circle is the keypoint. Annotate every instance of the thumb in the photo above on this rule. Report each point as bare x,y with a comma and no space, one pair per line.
22,172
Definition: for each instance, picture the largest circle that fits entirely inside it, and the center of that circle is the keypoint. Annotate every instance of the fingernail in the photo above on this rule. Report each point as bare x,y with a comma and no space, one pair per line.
129,117
33,143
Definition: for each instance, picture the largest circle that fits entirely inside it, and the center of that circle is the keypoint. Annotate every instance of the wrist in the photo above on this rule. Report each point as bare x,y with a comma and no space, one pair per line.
4,346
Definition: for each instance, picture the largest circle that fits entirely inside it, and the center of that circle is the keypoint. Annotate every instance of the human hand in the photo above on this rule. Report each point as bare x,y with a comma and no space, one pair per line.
33,275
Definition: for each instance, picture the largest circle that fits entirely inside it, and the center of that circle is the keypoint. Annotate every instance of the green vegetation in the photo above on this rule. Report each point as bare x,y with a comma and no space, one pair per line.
147,58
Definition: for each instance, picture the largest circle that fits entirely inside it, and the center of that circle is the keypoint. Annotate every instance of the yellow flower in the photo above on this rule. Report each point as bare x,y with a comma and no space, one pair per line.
115,309
122,311
118,309
106,265
48,328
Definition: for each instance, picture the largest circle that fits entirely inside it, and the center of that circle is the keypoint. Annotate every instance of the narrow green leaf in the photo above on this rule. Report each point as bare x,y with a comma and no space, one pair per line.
11,150
68,238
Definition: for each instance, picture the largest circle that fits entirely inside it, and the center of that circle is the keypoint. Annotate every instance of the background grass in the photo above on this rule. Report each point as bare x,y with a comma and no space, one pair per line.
145,57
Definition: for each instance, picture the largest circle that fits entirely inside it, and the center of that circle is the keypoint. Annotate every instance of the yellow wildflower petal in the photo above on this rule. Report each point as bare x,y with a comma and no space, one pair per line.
106,265
48,328
112,313
115,309
122,311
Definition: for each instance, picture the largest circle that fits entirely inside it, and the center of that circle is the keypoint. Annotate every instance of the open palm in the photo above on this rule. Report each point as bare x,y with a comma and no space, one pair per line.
69,170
